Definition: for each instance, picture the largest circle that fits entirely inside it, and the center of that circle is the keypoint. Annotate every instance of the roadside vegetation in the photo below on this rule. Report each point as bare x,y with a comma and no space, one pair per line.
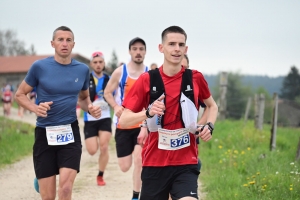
237,163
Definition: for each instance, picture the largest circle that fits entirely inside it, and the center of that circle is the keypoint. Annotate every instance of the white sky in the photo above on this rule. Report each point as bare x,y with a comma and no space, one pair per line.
259,37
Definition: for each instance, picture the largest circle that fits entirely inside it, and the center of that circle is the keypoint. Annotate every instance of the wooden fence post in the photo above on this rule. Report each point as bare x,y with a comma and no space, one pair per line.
298,151
247,110
274,122
223,90
261,111
256,108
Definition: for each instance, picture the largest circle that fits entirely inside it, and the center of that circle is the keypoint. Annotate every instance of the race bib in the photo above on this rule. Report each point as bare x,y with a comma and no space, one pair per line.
59,135
173,139
103,104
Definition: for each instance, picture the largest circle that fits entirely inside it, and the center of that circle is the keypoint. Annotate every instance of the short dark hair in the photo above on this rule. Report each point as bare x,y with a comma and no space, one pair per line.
62,28
173,29
135,40
187,59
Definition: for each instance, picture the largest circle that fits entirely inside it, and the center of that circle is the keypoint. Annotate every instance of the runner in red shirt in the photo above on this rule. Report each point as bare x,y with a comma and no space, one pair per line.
170,151
7,99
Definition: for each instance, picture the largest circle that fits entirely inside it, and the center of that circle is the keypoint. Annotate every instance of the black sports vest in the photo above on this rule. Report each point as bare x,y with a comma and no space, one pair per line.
92,87
157,88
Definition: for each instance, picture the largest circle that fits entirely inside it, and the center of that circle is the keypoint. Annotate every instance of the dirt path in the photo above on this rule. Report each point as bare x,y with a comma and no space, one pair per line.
16,180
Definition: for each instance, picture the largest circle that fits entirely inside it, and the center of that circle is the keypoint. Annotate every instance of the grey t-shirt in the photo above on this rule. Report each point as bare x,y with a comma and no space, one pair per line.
60,84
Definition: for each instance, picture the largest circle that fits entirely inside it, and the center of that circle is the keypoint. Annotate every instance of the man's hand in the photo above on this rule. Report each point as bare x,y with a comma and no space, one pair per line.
42,109
158,107
142,136
118,110
205,134
95,111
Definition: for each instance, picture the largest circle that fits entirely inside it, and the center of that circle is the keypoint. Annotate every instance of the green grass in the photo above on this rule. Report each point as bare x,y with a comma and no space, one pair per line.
16,141
237,163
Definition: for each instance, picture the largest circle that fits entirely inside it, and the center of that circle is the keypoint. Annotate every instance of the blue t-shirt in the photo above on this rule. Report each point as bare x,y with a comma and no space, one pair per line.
58,83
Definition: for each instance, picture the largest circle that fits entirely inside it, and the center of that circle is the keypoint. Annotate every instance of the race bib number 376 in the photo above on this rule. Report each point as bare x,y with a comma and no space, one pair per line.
173,139
59,135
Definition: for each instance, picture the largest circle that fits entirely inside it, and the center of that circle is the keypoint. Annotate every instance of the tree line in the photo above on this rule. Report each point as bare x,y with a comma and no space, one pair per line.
10,45
238,94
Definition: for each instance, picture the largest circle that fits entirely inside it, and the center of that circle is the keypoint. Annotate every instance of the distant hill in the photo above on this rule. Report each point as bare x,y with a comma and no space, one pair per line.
271,84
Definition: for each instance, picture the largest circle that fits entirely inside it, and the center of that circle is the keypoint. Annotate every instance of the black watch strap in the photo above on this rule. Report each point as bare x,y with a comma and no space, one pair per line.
148,114
210,127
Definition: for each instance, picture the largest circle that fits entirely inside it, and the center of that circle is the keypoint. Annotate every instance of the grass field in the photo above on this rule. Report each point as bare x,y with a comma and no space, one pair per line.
237,163
16,140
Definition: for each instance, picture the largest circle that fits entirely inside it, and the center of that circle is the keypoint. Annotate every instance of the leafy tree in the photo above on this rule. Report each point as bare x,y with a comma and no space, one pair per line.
297,99
113,63
291,84
11,46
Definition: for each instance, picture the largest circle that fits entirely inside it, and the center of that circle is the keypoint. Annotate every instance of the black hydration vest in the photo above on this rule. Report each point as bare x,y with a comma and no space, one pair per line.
92,87
157,88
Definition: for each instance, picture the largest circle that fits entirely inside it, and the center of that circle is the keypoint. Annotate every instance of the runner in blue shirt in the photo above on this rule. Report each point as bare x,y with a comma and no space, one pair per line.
60,81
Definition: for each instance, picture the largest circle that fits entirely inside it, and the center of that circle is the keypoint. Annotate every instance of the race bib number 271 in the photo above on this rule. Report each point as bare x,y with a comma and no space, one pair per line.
59,135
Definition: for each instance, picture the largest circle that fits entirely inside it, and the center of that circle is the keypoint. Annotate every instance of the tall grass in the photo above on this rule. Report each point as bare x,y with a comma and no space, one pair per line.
16,140
237,163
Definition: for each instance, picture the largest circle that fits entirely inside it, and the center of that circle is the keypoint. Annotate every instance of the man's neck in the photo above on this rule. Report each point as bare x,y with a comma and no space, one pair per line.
170,69
134,69
98,75
136,66
63,60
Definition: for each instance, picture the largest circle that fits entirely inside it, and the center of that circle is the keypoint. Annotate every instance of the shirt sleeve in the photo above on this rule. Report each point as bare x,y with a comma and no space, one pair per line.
138,96
33,74
204,92
87,80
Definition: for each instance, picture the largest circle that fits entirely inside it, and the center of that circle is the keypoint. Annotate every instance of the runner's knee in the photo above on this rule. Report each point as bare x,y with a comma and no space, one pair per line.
138,161
92,150
48,196
124,166
65,190
103,148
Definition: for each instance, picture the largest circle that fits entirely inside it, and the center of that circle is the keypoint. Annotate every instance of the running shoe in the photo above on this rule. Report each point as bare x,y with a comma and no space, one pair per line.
100,181
36,185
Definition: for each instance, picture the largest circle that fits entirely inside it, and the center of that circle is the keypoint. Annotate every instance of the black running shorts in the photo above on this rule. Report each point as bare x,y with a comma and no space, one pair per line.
179,181
91,128
126,139
48,159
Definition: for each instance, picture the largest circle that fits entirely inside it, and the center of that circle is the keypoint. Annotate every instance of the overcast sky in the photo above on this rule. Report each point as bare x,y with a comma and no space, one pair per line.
259,37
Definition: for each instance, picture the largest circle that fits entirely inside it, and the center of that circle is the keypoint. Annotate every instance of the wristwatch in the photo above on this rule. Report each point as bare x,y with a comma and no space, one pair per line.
148,114
210,127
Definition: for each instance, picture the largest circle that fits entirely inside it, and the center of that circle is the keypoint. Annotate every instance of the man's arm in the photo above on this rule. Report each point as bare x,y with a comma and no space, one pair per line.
212,108
111,86
86,104
203,118
212,113
129,118
22,99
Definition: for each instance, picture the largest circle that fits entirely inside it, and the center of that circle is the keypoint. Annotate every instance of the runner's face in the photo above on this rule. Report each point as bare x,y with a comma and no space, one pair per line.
137,52
63,43
173,47
97,64
184,63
